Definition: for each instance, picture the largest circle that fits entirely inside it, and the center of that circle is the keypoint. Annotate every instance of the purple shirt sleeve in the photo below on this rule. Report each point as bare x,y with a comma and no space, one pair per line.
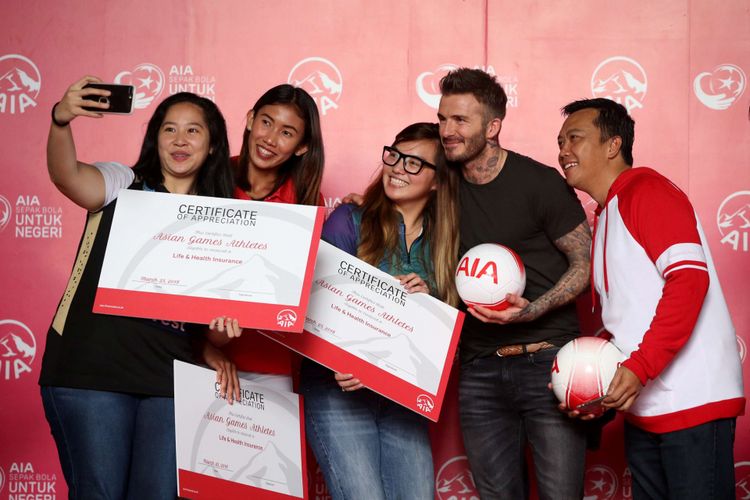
339,229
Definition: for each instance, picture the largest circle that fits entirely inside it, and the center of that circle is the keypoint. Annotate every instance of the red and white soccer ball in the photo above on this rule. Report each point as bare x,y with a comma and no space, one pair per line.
583,370
486,273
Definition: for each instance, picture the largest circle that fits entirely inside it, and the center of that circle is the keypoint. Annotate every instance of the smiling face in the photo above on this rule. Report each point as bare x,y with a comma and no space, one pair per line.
183,144
403,187
583,156
276,133
463,127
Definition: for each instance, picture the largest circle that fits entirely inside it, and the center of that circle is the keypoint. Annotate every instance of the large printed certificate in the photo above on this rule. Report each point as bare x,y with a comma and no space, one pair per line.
251,449
361,321
192,258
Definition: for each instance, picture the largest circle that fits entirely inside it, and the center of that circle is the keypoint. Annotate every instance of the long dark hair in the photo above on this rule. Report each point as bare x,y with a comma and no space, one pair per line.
306,171
215,176
379,227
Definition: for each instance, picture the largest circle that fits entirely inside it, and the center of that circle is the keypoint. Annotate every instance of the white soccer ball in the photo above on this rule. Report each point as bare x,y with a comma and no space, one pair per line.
486,273
583,370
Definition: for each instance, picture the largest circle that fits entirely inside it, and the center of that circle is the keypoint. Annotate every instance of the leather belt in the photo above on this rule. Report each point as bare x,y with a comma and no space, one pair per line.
517,349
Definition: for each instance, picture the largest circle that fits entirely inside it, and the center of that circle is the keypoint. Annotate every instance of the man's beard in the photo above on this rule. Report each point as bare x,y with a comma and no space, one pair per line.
473,147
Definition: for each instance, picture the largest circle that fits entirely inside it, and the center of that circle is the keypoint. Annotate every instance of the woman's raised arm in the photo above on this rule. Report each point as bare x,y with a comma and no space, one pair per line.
82,183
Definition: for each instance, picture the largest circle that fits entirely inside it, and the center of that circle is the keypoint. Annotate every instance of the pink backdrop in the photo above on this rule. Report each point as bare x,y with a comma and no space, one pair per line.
373,67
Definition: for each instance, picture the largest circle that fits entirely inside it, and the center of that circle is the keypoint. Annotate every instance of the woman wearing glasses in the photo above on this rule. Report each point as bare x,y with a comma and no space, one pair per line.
367,445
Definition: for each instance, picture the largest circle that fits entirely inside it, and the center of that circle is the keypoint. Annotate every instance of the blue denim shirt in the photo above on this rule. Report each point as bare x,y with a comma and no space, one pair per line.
341,229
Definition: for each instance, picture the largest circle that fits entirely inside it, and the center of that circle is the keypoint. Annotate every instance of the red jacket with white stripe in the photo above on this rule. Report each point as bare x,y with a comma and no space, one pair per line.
663,304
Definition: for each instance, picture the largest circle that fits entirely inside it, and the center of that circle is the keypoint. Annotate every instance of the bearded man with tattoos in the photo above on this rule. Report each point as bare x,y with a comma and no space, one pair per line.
506,356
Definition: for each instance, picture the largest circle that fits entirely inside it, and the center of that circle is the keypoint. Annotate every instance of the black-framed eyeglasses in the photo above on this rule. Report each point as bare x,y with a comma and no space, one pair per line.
412,164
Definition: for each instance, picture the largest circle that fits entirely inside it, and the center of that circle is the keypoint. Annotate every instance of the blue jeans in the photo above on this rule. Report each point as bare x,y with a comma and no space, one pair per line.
113,445
367,446
504,404
697,462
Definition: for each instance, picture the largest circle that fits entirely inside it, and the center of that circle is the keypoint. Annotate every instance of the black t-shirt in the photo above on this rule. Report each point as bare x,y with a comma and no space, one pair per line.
526,208
87,350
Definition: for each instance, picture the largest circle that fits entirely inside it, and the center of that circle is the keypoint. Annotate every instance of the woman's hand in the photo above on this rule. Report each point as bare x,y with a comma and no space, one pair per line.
413,283
82,183
347,382
226,372
222,325
222,329
72,103
354,198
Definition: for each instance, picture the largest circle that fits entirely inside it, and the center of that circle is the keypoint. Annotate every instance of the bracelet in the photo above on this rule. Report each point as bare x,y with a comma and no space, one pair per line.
54,120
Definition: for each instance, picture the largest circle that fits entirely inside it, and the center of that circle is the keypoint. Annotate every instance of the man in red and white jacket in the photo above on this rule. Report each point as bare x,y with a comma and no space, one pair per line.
681,385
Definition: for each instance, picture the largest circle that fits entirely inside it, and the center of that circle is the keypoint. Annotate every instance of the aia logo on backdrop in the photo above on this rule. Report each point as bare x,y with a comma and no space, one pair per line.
148,80
742,480
20,82
182,78
17,349
454,480
733,219
32,219
321,79
25,482
428,84
6,212
599,483
720,88
622,80
331,203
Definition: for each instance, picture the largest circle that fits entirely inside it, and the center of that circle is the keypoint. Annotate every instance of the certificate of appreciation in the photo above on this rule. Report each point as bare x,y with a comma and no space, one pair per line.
192,258
361,321
250,449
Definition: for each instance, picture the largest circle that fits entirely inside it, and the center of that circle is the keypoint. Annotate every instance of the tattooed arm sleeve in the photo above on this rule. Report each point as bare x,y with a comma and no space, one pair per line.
576,246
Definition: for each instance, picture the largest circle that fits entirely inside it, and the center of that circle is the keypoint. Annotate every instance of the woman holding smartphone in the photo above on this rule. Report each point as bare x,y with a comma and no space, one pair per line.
281,161
106,381
367,445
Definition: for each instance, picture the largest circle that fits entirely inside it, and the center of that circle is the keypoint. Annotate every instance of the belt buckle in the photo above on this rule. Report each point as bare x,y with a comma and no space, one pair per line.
523,349
512,348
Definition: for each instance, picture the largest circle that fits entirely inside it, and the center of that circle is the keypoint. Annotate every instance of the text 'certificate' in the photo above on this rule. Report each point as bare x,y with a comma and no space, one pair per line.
192,258
361,321
250,449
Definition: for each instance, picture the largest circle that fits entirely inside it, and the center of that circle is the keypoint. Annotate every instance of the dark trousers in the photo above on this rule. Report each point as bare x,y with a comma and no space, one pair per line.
505,405
691,463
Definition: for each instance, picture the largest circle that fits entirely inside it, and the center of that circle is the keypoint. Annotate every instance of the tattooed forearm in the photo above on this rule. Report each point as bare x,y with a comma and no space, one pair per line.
576,245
